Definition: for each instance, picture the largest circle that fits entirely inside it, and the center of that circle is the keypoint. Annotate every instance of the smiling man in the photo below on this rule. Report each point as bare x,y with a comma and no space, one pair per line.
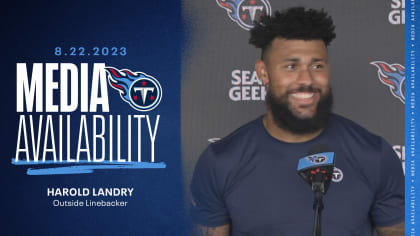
246,183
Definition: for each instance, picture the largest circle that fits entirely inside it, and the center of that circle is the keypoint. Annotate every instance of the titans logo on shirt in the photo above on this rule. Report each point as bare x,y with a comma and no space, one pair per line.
141,91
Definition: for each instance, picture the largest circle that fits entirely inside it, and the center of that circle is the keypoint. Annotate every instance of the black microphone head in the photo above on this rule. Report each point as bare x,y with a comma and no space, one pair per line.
315,169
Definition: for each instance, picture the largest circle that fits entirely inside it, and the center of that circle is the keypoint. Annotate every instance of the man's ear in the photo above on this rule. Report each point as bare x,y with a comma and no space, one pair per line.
261,70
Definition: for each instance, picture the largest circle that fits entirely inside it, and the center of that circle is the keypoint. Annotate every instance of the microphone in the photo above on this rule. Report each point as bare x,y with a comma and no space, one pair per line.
317,168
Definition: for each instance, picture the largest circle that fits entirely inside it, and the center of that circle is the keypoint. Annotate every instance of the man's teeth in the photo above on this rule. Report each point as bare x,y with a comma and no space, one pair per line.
302,95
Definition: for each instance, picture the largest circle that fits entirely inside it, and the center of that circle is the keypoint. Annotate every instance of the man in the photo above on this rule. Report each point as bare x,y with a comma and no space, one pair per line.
246,184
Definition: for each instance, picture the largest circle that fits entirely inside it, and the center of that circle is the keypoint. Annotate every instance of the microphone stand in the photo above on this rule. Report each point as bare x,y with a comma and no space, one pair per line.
318,188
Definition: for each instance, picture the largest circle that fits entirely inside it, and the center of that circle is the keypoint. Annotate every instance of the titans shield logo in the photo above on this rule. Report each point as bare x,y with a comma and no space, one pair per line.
141,91
392,76
337,175
245,12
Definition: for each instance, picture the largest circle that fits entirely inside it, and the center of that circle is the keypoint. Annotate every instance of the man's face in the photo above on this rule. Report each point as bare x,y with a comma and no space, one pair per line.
297,75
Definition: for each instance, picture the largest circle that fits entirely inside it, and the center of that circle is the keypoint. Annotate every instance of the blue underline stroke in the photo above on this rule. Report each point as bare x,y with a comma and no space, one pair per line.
52,162
84,166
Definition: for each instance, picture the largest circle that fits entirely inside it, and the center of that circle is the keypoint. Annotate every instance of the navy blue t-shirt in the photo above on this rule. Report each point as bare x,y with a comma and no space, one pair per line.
249,180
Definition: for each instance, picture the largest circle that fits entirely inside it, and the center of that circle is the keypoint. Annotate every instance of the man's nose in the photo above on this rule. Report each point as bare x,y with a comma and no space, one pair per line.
305,77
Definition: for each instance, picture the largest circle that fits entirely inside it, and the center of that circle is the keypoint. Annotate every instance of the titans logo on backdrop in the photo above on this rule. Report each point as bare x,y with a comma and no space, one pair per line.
245,84
52,139
393,76
245,12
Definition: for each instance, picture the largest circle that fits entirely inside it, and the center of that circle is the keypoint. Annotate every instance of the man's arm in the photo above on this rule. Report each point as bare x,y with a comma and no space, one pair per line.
394,230
223,230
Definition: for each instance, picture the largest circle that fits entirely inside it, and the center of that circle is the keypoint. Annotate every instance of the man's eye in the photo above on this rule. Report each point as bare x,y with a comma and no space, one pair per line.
318,66
291,66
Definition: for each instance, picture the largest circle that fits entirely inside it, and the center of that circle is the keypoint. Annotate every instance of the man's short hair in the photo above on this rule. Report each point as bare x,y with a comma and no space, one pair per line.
293,23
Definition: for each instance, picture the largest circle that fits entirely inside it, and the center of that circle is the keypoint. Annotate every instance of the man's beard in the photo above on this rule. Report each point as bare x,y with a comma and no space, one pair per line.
285,119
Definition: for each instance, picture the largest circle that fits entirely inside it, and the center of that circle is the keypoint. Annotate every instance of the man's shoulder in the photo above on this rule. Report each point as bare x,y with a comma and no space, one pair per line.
239,138
224,156
370,155
230,150
351,130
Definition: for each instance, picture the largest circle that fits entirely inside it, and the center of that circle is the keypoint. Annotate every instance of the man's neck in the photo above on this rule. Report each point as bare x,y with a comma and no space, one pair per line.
285,135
